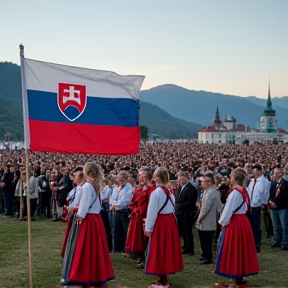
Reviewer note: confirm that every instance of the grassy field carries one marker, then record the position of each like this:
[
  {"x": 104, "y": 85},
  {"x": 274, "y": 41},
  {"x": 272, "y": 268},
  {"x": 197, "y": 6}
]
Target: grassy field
[{"x": 47, "y": 239}]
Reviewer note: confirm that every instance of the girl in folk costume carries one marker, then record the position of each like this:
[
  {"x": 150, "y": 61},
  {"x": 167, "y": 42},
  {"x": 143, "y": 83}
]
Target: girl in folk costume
[
  {"x": 164, "y": 248},
  {"x": 86, "y": 261},
  {"x": 73, "y": 200},
  {"x": 237, "y": 256},
  {"x": 136, "y": 241}
]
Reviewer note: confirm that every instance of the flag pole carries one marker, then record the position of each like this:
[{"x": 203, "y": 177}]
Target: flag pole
[{"x": 26, "y": 141}]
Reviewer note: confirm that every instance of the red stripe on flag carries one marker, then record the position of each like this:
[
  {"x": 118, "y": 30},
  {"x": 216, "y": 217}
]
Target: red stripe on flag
[{"x": 83, "y": 138}]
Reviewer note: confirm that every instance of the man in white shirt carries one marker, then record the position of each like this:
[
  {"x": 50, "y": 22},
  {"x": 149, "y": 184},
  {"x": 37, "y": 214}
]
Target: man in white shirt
[
  {"x": 119, "y": 203},
  {"x": 258, "y": 190}
]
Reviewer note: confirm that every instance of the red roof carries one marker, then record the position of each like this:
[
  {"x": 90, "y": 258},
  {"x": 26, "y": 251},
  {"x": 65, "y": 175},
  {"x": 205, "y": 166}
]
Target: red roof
[
  {"x": 240, "y": 128},
  {"x": 282, "y": 131},
  {"x": 208, "y": 129}
]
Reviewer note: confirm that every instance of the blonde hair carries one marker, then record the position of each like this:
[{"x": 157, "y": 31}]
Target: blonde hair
[
  {"x": 239, "y": 176},
  {"x": 94, "y": 174},
  {"x": 163, "y": 175}
]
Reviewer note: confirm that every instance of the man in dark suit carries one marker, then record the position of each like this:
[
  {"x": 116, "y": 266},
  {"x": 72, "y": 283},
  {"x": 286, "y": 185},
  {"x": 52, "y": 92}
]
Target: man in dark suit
[
  {"x": 7, "y": 190},
  {"x": 185, "y": 209},
  {"x": 278, "y": 204}
]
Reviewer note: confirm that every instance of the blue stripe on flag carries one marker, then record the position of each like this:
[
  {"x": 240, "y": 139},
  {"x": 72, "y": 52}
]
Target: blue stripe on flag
[{"x": 99, "y": 111}]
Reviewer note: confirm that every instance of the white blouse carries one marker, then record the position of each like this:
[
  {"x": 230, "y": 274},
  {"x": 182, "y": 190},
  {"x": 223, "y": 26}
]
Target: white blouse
[
  {"x": 156, "y": 201},
  {"x": 234, "y": 200},
  {"x": 88, "y": 196},
  {"x": 77, "y": 196}
]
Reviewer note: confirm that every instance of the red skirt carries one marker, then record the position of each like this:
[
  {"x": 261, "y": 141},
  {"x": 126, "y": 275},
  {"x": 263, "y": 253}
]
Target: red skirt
[
  {"x": 237, "y": 256},
  {"x": 164, "y": 254},
  {"x": 65, "y": 237},
  {"x": 91, "y": 264},
  {"x": 136, "y": 240}
]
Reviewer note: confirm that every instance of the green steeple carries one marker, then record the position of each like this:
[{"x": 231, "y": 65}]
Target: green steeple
[{"x": 269, "y": 111}]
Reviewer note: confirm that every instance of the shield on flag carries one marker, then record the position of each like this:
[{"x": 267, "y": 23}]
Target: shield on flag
[{"x": 71, "y": 100}]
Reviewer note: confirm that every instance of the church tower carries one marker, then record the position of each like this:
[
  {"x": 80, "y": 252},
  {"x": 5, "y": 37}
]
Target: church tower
[
  {"x": 268, "y": 121},
  {"x": 217, "y": 122}
]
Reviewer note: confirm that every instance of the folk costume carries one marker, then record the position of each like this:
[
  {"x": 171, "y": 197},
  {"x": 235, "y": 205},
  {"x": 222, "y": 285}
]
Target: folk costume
[
  {"x": 136, "y": 241},
  {"x": 73, "y": 200},
  {"x": 86, "y": 261},
  {"x": 164, "y": 248},
  {"x": 237, "y": 256}
]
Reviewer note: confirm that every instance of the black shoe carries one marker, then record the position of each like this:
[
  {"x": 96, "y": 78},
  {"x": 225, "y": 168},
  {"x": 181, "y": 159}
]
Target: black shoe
[
  {"x": 203, "y": 262},
  {"x": 240, "y": 282},
  {"x": 284, "y": 248},
  {"x": 275, "y": 245},
  {"x": 186, "y": 251},
  {"x": 201, "y": 259}
]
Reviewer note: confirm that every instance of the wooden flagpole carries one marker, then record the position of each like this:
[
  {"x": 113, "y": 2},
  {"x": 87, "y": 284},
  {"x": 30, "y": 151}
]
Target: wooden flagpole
[{"x": 25, "y": 115}]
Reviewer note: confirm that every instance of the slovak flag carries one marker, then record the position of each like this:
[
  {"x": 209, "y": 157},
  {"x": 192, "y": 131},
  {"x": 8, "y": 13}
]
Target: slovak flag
[{"x": 79, "y": 110}]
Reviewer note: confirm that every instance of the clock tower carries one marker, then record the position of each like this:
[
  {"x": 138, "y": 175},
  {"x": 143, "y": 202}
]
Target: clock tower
[{"x": 268, "y": 121}]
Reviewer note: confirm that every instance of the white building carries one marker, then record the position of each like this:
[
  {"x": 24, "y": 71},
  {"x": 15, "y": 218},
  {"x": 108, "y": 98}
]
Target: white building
[{"x": 228, "y": 132}]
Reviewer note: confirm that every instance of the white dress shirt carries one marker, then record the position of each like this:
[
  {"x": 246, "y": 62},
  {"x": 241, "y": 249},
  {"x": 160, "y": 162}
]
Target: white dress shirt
[
  {"x": 261, "y": 191},
  {"x": 106, "y": 192},
  {"x": 122, "y": 197}
]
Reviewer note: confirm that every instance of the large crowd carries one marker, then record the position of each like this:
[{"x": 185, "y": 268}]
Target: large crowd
[{"x": 199, "y": 177}]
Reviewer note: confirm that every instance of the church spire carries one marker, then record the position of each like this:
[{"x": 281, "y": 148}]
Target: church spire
[
  {"x": 217, "y": 121},
  {"x": 268, "y": 121},
  {"x": 269, "y": 102},
  {"x": 217, "y": 112}
]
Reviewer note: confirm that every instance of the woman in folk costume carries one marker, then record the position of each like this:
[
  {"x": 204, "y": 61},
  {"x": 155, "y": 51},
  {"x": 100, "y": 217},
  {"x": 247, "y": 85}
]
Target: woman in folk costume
[
  {"x": 86, "y": 261},
  {"x": 136, "y": 241},
  {"x": 72, "y": 199},
  {"x": 164, "y": 248},
  {"x": 237, "y": 256}
]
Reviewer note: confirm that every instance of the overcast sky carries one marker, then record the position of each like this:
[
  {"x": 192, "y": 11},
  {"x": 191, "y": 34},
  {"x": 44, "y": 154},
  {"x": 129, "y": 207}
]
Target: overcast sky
[{"x": 226, "y": 46}]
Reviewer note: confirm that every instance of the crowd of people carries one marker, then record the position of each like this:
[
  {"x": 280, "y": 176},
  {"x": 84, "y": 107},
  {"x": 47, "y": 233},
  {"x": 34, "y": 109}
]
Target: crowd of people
[{"x": 149, "y": 202}]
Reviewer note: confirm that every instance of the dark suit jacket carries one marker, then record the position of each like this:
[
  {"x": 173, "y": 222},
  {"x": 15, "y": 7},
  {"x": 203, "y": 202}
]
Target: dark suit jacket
[
  {"x": 281, "y": 200},
  {"x": 186, "y": 201},
  {"x": 7, "y": 178}
]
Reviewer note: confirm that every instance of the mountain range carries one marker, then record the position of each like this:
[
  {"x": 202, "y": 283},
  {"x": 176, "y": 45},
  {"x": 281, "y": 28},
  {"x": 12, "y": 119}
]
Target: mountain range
[{"x": 200, "y": 106}]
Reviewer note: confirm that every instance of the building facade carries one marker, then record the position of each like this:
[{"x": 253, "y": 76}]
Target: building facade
[{"x": 229, "y": 132}]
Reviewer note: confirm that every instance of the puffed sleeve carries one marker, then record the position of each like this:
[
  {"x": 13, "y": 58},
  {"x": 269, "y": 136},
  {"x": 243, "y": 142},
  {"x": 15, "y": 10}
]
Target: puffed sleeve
[
  {"x": 88, "y": 195},
  {"x": 152, "y": 212},
  {"x": 233, "y": 201}
]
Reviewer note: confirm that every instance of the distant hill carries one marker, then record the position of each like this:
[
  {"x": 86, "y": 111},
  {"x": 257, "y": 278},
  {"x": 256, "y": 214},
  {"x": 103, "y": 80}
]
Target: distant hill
[
  {"x": 11, "y": 116},
  {"x": 277, "y": 101},
  {"x": 158, "y": 121},
  {"x": 200, "y": 106},
  {"x": 163, "y": 124}
]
